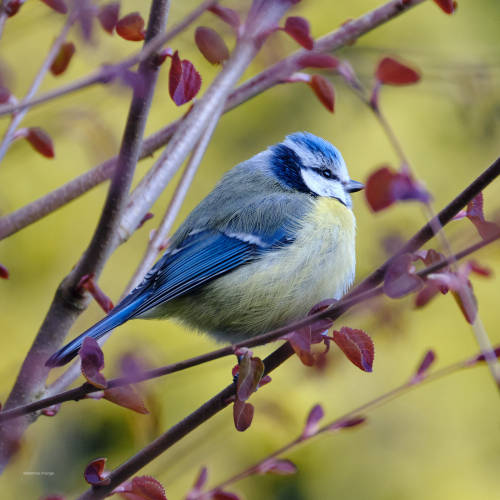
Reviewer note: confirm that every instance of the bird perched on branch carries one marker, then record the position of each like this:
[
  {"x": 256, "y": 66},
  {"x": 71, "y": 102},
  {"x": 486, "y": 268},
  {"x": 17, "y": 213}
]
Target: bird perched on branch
[{"x": 273, "y": 238}]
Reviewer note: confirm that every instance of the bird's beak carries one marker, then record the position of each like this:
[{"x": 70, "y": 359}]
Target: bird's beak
[{"x": 353, "y": 186}]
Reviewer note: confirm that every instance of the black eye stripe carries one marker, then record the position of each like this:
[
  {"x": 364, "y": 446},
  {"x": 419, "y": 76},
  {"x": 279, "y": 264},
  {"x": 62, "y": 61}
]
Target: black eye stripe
[{"x": 326, "y": 173}]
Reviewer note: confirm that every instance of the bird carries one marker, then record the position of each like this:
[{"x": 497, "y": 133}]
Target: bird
[{"x": 273, "y": 238}]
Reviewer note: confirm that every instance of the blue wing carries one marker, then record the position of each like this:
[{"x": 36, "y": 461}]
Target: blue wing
[{"x": 202, "y": 257}]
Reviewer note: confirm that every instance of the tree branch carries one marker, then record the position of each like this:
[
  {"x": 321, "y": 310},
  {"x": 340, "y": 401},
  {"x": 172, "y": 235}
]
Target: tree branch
[
  {"x": 334, "y": 312},
  {"x": 337, "y": 424},
  {"x": 69, "y": 302},
  {"x": 24, "y": 103},
  {"x": 161, "y": 233},
  {"x": 274, "y": 75},
  {"x": 102, "y": 75}
]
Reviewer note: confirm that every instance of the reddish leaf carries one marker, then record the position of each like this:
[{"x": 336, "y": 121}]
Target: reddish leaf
[
  {"x": 184, "y": 81},
  {"x": 317, "y": 60},
  {"x": 378, "y": 189},
  {"x": 87, "y": 282},
  {"x": 108, "y": 16},
  {"x": 126, "y": 396},
  {"x": 249, "y": 375},
  {"x": 147, "y": 488},
  {"x": 4, "y": 273},
  {"x": 460, "y": 286},
  {"x": 357, "y": 346},
  {"x": 391, "y": 72},
  {"x": 4, "y": 94},
  {"x": 312, "y": 423},
  {"x": 11, "y": 7},
  {"x": 467, "y": 303},
  {"x": 277, "y": 466},
  {"x": 448, "y": 6},
  {"x": 53, "y": 497},
  {"x": 324, "y": 91},
  {"x": 428, "y": 257},
  {"x": 424, "y": 365},
  {"x": 94, "y": 472},
  {"x": 211, "y": 45},
  {"x": 242, "y": 415},
  {"x": 400, "y": 278},
  {"x": 302, "y": 339},
  {"x": 131, "y": 27},
  {"x": 298, "y": 28},
  {"x": 51, "y": 411},
  {"x": 63, "y": 58},
  {"x": 229, "y": 16},
  {"x": 427, "y": 293},
  {"x": 266, "y": 379},
  {"x": 40, "y": 141},
  {"x": 347, "y": 423},
  {"x": 386, "y": 186},
  {"x": 477, "y": 268},
  {"x": 92, "y": 362},
  {"x": 475, "y": 214},
  {"x": 57, "y": 5}
]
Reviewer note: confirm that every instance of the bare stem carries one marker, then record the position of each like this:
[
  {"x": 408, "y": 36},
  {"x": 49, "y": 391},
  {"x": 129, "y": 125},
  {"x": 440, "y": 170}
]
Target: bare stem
[
  {"x": 275, "y": 74},
  {"x": 333, "y": 313},
  {"x": 24, "y": 103},
  {"x": 478, "y": 329},
  {"x": 102, "y": 75},
  {"x": 3, "y": 18},
  {"x": 336, "y": 425},
  {"x": 157, "y": 241},
  {"x": 69, "y": 302}
]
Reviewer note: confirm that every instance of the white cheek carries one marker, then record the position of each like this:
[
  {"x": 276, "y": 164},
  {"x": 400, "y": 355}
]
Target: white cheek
[{"x": 323, "y": 187}]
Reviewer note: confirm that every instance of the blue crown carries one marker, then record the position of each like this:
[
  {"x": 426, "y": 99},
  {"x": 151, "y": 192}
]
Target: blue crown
[{"x": 316, "y": 145}]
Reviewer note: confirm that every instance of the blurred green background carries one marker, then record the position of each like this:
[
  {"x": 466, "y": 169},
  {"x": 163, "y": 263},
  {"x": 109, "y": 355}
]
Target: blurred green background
[{"x": 439, "y": 442}]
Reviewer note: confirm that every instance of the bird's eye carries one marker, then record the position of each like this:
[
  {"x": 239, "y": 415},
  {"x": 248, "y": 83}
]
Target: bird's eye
[{"x": 327, "y": 174}]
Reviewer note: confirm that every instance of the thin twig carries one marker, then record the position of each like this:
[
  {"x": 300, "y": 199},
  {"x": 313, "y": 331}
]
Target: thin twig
[
  {"x": 3, "y": 18},
  {"x": 466, "y": 293},
  {"x": 194, "y": 124},
  {"x": 274, "y": 75},
  {"x": 157, "y": 241},
  {"x": 24, "y": 103},
  {"x": 333, "y": 313},
  {"x": 336, "y": 425},
  {"x": 69, "y": 302},
  {"x": 102, "y": 75}
]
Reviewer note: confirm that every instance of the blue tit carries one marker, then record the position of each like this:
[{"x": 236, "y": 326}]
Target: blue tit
[{"x": 273, "y": 238}]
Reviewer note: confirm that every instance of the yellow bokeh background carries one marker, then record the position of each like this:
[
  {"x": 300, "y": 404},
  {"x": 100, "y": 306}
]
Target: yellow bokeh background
[{"x": 441, "y": 441}]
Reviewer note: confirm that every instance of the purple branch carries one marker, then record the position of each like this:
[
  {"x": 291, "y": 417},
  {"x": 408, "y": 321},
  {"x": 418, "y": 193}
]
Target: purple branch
[
  {"x": 69, "y": 302},
  {"x": 102, "y": 75},
  {"x": 24, "y": 106},
  {"x": 426, "y": 233},
  {"x": 333, "y": 313},
  {"x": 339, "y": 423},
  {"x": 272, "y": 76},
  {"x": 161, "y": 233}
]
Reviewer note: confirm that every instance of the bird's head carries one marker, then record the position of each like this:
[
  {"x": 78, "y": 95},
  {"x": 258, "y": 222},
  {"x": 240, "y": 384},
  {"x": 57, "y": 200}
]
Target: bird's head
[{"x": 311, "y": 165}]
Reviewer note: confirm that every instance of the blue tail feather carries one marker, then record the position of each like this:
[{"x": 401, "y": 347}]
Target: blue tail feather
[{"x": 115, "y": 318}]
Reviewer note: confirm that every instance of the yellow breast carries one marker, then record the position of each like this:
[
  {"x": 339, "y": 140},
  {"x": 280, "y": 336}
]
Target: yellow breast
[{"x": 283, "y": 286}]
